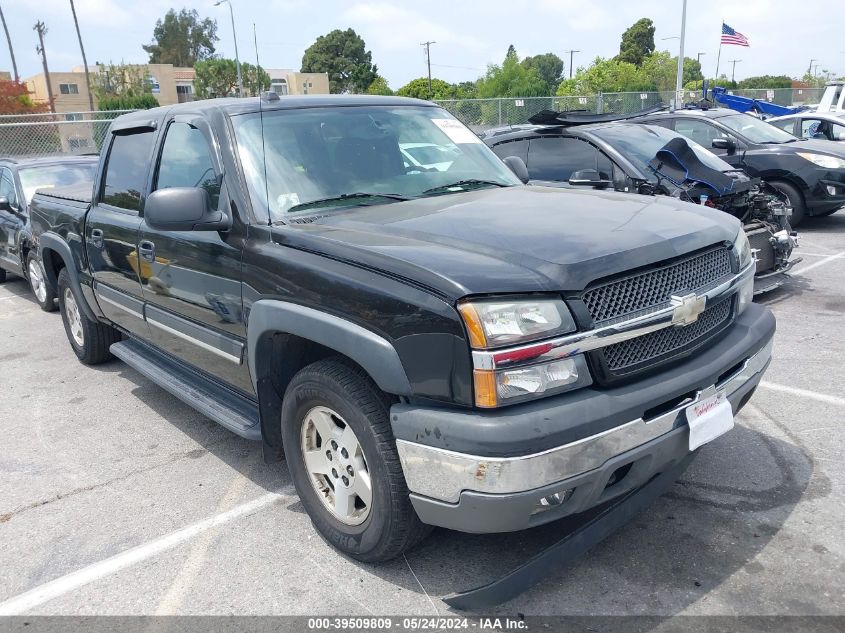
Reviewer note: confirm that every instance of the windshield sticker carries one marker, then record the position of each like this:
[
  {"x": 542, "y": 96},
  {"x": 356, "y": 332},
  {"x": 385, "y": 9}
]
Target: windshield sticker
[{"x": 456, "y": 131}]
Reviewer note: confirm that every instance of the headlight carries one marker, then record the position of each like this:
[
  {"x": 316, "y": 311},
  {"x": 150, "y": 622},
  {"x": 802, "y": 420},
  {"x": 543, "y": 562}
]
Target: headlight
[
  {"x": 495, "y": 322},
  {"x": 494, "y": 388},
  {"x": 742, "y": 251},
  {"x": 823, "y": 160}
]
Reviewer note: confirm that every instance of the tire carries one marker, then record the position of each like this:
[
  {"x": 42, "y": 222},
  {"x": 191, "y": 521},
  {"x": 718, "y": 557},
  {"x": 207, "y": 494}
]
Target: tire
[
  {"x": 41, "y": 287},
  {"x": 338, "y": 397},
  {"x": 2, "y": 275},
  {"x": 796, "y": 200},
  {"x": 89, "y": 339}
]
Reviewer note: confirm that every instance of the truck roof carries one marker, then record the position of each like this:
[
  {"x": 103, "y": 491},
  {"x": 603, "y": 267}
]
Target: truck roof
[{"x": 233, "y": 105}]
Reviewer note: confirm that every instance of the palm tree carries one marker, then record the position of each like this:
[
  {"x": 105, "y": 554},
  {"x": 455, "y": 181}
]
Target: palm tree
[
  {"x": 11, "y": 51},
  {"x": 84, "y": 61}
]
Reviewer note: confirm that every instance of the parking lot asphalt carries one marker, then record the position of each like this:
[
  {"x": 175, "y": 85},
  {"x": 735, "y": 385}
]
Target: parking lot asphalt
[{"x": 116, "y": 498}]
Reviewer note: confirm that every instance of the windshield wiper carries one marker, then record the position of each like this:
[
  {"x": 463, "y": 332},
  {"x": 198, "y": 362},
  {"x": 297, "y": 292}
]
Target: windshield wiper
[
  {"x": 358, "y": 198},
  {"x": 466, "y": 185}
]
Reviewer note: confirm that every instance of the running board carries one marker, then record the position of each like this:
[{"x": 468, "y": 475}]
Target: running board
[
  {"x": 227, "y": 408},
  {"x": 570, "y": 547}
]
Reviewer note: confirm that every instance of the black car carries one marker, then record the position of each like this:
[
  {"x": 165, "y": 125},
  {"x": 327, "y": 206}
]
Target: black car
[
  {"x": 643, "y": 159},
  {"x": 810, "y": 172},
  {"x": 423, "y": 346},
  {"x": 19, "y": 179}
]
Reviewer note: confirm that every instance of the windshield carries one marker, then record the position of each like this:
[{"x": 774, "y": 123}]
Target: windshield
[
  {"x": 50, "y": 176},
  {"x": 320, "y": 154},
  {"x": 754, "y": 129},
  {"x": 640, "y": 143}
]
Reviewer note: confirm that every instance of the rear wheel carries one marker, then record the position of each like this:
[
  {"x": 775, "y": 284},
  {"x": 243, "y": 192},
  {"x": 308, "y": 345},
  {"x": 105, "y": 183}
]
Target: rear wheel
[
  {"x": 89, "y": 339},
  {"x": 343, "y": 461},
  {"x": 796, "y": 201},
  {"x": 44, "y": 293},
  {"x": 2, "y": 275}
]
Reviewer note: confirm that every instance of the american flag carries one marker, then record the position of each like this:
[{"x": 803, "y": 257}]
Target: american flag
[{"x": 729, "y": 36}]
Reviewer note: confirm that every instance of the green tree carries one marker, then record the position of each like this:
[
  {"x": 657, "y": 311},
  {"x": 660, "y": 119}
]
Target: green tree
[
  {"x": 182, "y": 39},
  {"x": 607, "y": 75},
  {"x": 121, "y": 80},
  {"x": 344, "y": 56},
  {"x": 379, "y": 86},
  {"x": 466, "y": 90},
  {"x": 766, "y": 81},
  {"x": 511, "y": 79},
  {"x": 219, "y": 78},
  {"x": 549, "y": 66},
  {"x": 692, "y": 70},
  {"x": 637, "y": 42},
  {"x": 127, "y": 102},
  {"x": 418, "y": 88}
]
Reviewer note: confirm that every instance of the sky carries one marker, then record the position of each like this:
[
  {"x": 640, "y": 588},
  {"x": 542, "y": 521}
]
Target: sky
[{"x": 469, "y": 34}]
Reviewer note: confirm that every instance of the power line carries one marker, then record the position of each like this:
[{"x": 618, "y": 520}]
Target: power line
[
  {"x": 428, "y": 62},
  {"x": 733, "y": 63},
  {"x": 41, "y": 29}
]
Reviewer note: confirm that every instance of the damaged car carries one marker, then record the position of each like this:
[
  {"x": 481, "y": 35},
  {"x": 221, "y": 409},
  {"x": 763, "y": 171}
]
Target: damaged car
[{"x": 604, "y": 152}]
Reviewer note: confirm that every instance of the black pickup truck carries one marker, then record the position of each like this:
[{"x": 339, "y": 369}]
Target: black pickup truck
[{"x": 431, "y": 346}]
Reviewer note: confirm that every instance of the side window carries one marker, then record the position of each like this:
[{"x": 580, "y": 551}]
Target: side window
[
  {"x": 512, "y": 148},
  {"x": 7, "y": 187},
  {"x": 787, "y": 125},
  {"x": 699, "y": 131},
  {"x": 126, "y": 170},
  {"x": 810, "y": 128},
  {"x": 186, "y": 161},
  {"x": 556, "y": 158}
]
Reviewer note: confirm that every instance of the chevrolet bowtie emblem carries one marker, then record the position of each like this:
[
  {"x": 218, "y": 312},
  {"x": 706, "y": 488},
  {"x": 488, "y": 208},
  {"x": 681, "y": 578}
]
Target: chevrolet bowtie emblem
[{"x": 687, "y": 308}]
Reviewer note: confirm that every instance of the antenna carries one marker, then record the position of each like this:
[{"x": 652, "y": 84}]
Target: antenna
[{"x": 257, "y": 63}]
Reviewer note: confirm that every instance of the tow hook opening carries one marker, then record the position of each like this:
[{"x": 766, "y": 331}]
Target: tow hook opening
[{"x": 618, "y": 475}]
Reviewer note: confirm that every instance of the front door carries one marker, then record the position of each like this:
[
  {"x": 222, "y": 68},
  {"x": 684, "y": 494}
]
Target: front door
[
  {"x": 191, "y": 280},
  {"x": 111, "y": 230},
  {"x": 11, "y": 222}
]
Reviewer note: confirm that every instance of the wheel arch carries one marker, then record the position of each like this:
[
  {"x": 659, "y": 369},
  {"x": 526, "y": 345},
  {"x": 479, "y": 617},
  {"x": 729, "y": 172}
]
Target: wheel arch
[
  {"x": 284, "y": 337},
  {"x": 55, "y": 254}
]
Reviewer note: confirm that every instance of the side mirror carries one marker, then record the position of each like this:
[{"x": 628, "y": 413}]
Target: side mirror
[
  {"x": 517, "y": 166},
  {"x": 4, "y": 204},
  {"x": 183, "y": 209},
  {"x": 588, "y": 178},
  {"x": 723, "y": 143}
]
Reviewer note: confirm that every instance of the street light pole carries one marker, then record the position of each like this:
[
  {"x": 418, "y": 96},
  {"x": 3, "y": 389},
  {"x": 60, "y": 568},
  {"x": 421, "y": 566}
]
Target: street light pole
[
  {"x": 235, "y": 37},
  {"x": 571, "y": 54},
  {"x": 679, "y": 80},
  {"x": 11, "y": 50},
  {"x": 698, "y": 57},
  {"x": 733, "y": 63}
]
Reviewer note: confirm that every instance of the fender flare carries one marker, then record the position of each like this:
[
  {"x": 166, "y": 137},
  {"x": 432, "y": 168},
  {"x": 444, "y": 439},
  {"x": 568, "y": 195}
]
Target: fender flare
[
  {"x": 54, "y": 242},
  {"x": 375, "y": 354}
]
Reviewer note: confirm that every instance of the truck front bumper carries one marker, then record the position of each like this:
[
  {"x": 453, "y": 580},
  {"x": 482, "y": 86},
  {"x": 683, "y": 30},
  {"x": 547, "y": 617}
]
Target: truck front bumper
[{"x": 471, "y": 491}]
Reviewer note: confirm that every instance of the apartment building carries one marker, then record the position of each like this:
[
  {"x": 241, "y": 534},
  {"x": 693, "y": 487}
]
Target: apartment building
[{"x": 284, "y": 81}]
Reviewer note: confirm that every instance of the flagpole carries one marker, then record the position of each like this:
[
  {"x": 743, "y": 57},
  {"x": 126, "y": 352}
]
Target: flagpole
[{"x": 719, "y": 56}]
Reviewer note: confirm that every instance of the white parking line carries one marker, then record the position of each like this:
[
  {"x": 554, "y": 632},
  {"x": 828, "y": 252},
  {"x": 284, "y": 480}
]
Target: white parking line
[
  {"x": 804, "y": 393},
  {"x": 803, "y": 269},
  {"x": 60, "y": 586}
]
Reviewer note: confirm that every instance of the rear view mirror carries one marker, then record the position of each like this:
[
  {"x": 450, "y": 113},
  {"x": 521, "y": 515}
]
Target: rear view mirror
[
  {"x": 723, "y": 143},
  {"x": 183, "y": 209},
  {"x": 517, "y": 166},
  {"x": 588, "y": 178},
  {"x": 4, "y": 204}
]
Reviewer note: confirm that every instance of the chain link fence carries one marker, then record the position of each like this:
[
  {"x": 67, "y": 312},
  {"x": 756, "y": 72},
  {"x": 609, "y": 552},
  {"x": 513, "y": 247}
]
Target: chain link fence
[
  {"x": 54, "y": 134},
  {"x": 483, "y": 114}
]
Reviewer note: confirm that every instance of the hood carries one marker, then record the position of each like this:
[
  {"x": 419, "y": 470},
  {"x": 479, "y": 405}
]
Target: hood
[
  {"x": 815, "y": 146},
  {"x": 515, "y": 239}
]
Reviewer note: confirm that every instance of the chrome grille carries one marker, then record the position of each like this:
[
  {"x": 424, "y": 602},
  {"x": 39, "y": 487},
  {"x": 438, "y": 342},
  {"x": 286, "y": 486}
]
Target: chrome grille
[
  {"x": 641, "y": 350},
  {"x": 654, "y": 288}
]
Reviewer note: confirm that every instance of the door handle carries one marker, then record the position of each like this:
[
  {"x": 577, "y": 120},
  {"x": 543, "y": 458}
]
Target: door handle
[
  {"x": 97, "y": 237},
  {"x": 147, "y": 250}
]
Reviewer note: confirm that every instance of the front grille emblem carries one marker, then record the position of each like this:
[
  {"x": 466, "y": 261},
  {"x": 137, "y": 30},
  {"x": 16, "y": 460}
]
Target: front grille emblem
[{"x": 687, "y": 308}]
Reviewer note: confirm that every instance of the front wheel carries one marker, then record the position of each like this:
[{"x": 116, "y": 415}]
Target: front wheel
[
  {"x": 44, "y": 293},
  {"x": 89, "y": 339},
  {"x": 796, "y": 202},
  {"x": 343, "y": 461}
]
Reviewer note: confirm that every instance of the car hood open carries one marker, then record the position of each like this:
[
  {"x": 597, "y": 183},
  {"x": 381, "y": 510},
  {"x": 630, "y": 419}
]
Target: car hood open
[{"x": 515, "y": 239}]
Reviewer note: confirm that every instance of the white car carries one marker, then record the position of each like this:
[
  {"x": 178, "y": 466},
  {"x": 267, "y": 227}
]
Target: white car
[
  {"x": 812, "y": 125},
  {"x": 428, "y": 155}
]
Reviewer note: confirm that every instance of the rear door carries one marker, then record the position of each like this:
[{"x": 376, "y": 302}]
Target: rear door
[
  {"x": 111, "y": 228},
  {"x": 192, "y": 279}
]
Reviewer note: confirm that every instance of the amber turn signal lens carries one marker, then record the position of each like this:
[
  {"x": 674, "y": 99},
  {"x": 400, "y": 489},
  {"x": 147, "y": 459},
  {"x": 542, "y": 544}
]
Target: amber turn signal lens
[
  {"x": 477, "y": 339},
  {"x": 485, "y": 388}
]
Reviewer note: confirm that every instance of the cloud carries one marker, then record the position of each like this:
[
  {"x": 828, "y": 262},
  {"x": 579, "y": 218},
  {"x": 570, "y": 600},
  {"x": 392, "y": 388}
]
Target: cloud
[{"x": 392, "y": 27}]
